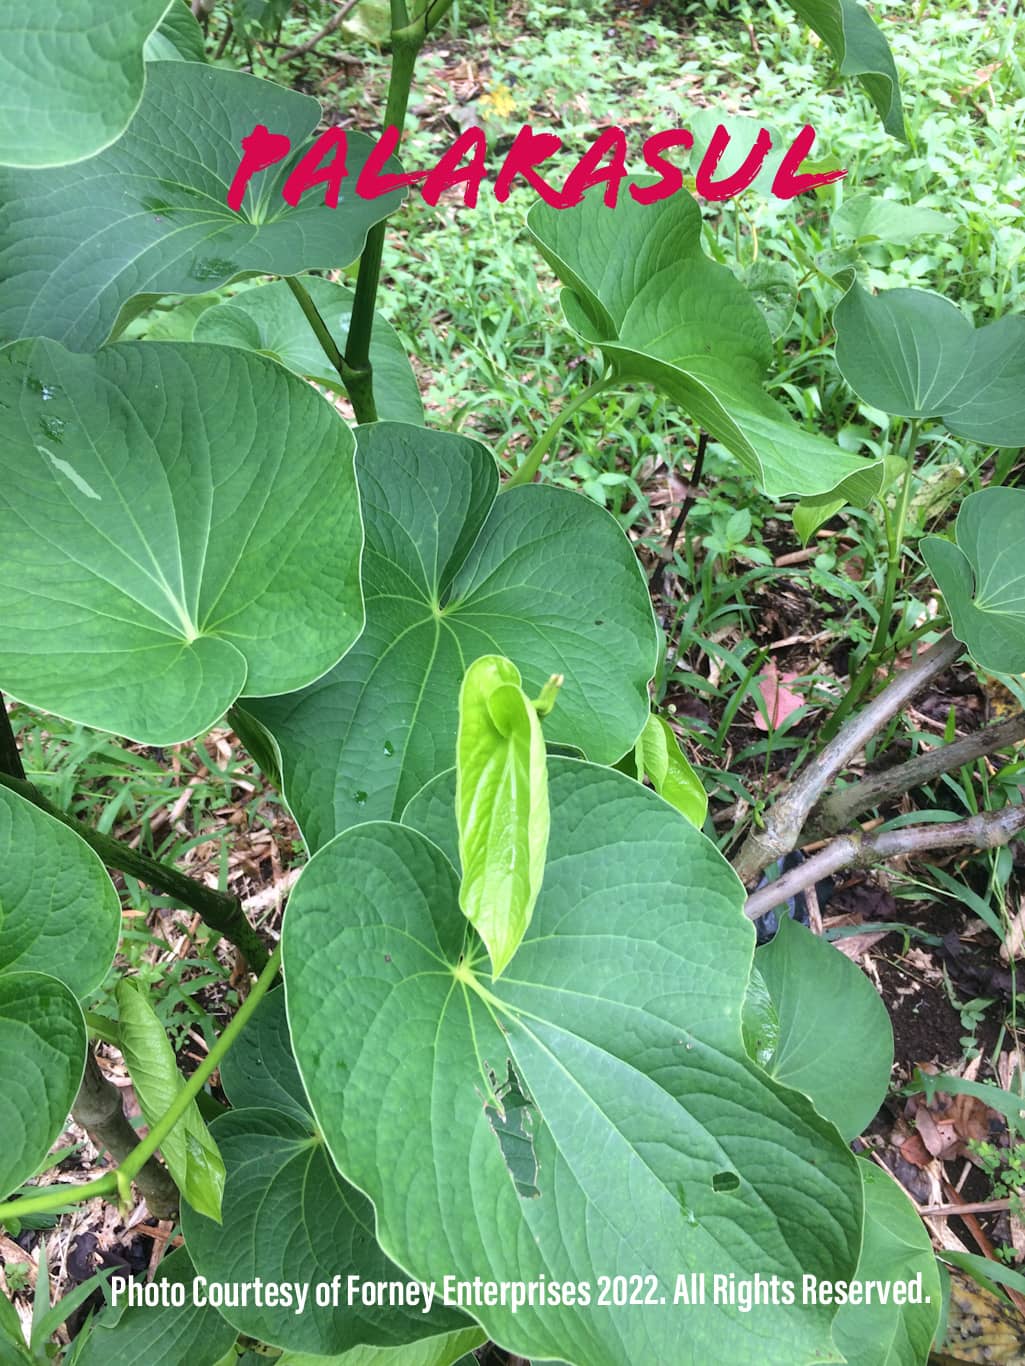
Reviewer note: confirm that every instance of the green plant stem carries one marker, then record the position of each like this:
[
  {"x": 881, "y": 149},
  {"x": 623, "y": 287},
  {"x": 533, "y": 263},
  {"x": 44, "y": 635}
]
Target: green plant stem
[
  {"x": 407, "y": 40},
  {"x": 118, "y": 1180},
  {"x": 537, "y": 452},
  {"x": 895, "y": 526},
  {"x": 10, "y": 756},
  {"x": 219, "y": 910},
  {"x": 349, "y": 377}
]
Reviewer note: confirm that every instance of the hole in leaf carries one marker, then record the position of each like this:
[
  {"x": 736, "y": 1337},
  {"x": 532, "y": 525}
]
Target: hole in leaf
[
  {"x": 512, "y": 1121},
  {"x": 725, "y": 1181}
]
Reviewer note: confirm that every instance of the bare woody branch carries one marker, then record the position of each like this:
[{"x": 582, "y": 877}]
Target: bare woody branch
[
  {"x": 336, "y": 20},
  {"x": 788, "y": 816},
  {"x": 840, "y": 808},
  {"x": 987, "y": 831}
]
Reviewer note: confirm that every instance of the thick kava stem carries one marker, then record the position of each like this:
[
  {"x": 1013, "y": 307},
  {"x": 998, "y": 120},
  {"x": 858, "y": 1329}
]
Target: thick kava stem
[
  {"x": 406, "y": 44},
  {"x": 840, "y": 808},
  {"x": 99, "y": 1111},
  {"x": 788, "y": 815},
  {"x": 219, "y": 910},
  {"x": 10, "y": 758},
  {"x": 988, "y": 831}
]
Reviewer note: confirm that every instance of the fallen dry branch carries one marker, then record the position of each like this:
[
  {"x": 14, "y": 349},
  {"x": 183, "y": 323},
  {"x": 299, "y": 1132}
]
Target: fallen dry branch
[
  {"x": 987, "y": 831},
  {"x": 788, "y": 816},
  {"x": 840, "y": 808}
]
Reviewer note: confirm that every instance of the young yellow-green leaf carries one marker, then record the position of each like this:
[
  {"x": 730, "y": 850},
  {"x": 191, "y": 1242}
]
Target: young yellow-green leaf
[
  {"x": 501, "y": 805},
  {"x": 658, "y": 755},
  {"x": 191, "y": 1154}
]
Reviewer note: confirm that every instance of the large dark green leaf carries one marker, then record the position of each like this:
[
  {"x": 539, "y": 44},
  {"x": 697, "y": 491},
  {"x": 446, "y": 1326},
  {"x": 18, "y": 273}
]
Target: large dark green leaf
[
  {"x": 542, "y": 576},
  {"x": 915, "y": 354},
  {"x": 841, "y": 1060},
  {"x": 70, "y": 77},
  {"x": 593, "y": 1112},
  {"x": 287, "y": 1216},
  {"x": 42, "y": 1056},
  {"x": 260, "y": 1070},
  {"x": 896, "y": 1248},
  {"x": 59, "y": 912},
  {"x": 149, "y": 215},
  {"x": 268, "y": 319},
  {"x": 639, "y": 286},
  {"x": 59, "y": 919},
  {"x": 861, "y": 50},
  {"x": 178, "y": 522},
  {"x": 161, "y": 1335},
  {"x": 981, "y": 575}
]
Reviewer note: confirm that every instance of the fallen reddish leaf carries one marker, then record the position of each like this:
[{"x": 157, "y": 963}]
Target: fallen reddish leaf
[{"x": 779, "y": 701}]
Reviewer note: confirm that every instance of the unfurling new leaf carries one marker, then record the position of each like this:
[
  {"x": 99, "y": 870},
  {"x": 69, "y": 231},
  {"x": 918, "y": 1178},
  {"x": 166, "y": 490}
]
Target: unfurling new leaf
[
  {"x": 501, "y": 805},
  {"x": 191, "y": 1154}
]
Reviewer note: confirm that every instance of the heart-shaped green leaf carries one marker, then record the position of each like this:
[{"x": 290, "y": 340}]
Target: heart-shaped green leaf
[
  {"x": 542, "y": 576},
  {"x": 288, "y": 1217},
  {"x": 915, "y": 354},
  {"x": 639, "y": 286},
  {"x": 594, "y": 1112},
  {"x": 160, "y": 1335},
  {"x": 453, "y": 1349},
  {"x": 59, "y": 912},
  {"x": 189, "y": 1151},
  {"x": 861, "y": 50},
  {"x": 896, "y": 1248},
  {"x": 268, "y": 319},
  {"x": 260, "y": 1070},
  {"x": 841, "y": 1060},
  {"x": 501, "y": 805},
  {"x": 871, "y": 218},
  {"x": 71, "y": 81},
  {"x": 149, "y": 216},
  {"x": 42, "y": 1057},
  {"x": 179, "y": 37},
  {"x": 982, "y": 577},
  {"x": 179, "y": 522}
]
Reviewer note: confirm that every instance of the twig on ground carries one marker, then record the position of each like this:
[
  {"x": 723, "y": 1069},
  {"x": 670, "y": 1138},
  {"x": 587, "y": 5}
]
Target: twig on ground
[
  {"x": 788, "y": 815},
  {"x": 987, "y": 831},
  {"x": 840, "y": 808},
  {"x": 336, "y": 20},
  {"x": 98, "y": 1109}
]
